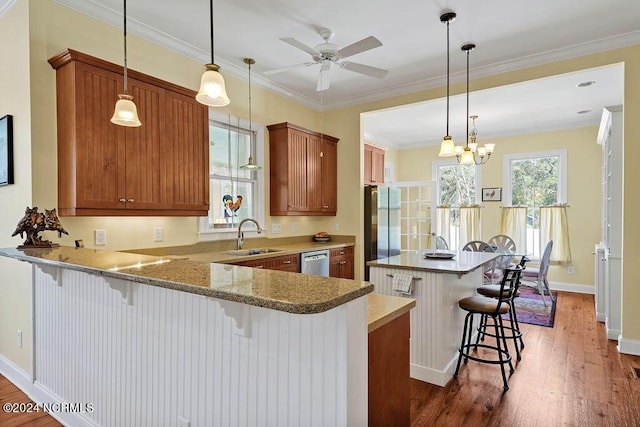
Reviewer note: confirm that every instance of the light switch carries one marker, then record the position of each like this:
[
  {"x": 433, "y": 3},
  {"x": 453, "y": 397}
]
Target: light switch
[{"x": 157, "y": 234}]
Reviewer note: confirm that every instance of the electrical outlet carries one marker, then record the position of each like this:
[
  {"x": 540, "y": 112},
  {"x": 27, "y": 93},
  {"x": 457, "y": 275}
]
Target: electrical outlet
[
  {"x": 335, "y": 226},
  {"x": 100, "y": 237},
  {"x": 157, "y": 234},
  {"x": 294, "y": 228},
  {"x": 183, "y": 422},
  {"x": 570, "y": 269},
  {"x": 19, "y": 338},
  {"x": 275, "y": 228}
]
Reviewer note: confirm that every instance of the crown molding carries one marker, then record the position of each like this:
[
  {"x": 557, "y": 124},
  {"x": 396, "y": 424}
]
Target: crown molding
[{"x": 98, "y": 11}]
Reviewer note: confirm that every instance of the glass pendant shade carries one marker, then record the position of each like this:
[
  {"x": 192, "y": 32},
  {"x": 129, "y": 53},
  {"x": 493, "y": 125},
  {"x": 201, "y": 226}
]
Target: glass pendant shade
[
  {"x": 212, "y": 88},
  {"x": 251, "y": 165},
  {"x": 447, "y": 147},
  {"x": 126, "y": 113},
  {"x": 489, "y": 148},
  {"x": 467, "y": 157}
]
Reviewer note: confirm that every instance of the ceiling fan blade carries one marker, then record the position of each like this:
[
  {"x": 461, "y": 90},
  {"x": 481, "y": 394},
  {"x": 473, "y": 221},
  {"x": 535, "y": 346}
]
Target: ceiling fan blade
[
  {"x": 361, "y": 46},
  {"x": 324, "y": 80},
  {"x": 295, "y": 43},
  {"x": 289, "y": 67},
  {"x": 367, "y": 70}
]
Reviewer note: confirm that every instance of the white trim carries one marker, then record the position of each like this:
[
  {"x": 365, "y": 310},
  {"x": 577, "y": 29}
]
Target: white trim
[
  {"x": 572, "y": 287},
  {"x": 628, "y": 346},
  {"x": 562, "y": 172}
]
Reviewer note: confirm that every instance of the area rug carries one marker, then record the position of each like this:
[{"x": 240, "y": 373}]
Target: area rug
[{"x": 530, "y": 308}]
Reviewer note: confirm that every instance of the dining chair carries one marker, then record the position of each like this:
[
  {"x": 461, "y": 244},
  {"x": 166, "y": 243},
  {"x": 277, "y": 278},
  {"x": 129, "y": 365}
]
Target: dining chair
[
  {"x": 480, "y": 246},
  {"x": 441, "y": 243},
  {"x": 505, "y": 244},
  {"x": 539, "y": 275}
]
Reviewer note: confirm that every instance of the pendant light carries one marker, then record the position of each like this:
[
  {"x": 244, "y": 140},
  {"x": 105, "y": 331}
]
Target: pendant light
[
  {"x": 125, "y": 113},
  {"x": 251, "y": 165},
  {"x": 467, "y": 155},
  {"x": 447, "y": 147},
  {"x": 212, "y": 89}
]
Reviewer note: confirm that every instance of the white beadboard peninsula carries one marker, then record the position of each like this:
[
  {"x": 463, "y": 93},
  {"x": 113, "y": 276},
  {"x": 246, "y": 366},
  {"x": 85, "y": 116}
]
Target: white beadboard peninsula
[
  {"x": 153, "y": 340},
  {"x": 436, "y": 321}
]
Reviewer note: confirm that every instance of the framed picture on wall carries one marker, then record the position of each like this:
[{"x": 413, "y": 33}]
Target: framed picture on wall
[
  {"x": 493, "y": 194},
  {"x": 6, "y": 150}
]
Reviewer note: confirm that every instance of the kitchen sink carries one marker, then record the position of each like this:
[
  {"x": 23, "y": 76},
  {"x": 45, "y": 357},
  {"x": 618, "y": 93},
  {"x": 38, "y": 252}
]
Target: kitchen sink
[{"x": 248, "y": 252}]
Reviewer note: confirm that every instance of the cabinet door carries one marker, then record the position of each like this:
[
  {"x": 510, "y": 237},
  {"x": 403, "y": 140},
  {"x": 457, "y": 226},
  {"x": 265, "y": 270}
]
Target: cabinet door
[
  {"x": 329, "y": 177},
  {"x": 187, "y": 159},
  {"x": 146, "y": 170},
  {"x": 315, "y": 165},
  {"x": 298, "y": 192},
  {"x": 368, "y": 164},
  {"x": 377, "y": 170},
  {"x": 97, "y": 147}
]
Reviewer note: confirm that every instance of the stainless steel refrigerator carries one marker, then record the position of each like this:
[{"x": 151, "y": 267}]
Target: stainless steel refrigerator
[{"x": 381, "y": 223}]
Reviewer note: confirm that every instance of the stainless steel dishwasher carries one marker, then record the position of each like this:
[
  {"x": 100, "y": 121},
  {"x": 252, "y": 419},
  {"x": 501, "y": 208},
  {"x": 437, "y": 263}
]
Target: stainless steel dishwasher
[{"x": 316, "y": 262}]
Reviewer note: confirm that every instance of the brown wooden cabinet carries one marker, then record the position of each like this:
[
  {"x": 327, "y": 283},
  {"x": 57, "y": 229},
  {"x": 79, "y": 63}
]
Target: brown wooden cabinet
[
  {"x": 283, "y": 263},
  {"x": 373, "y": 165},
  {"x": 341, "y": 263},
  {"x": 303, "y": 170},
  {"x": 159, "y": 168}
]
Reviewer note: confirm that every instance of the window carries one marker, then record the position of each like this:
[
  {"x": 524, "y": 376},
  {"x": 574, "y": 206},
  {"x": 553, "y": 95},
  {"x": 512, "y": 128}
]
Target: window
[
  {"x": 457, "y": 186},
  {"x": 234, "y": 193},
  {"x": 533, "y": 180}
]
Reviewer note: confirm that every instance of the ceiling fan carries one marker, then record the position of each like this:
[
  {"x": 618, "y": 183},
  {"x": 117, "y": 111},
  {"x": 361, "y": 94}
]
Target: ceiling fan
[{"x": 326, "y": 54}]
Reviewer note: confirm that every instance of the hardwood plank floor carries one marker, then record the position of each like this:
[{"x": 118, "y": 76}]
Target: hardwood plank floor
[
  {"x": 570, "y": 374},
  {"x": 9, "y": 393}
]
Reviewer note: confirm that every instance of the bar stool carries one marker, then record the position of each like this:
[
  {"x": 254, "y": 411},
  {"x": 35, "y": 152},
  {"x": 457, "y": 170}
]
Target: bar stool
[
  {"x": 492, "y": 291},
  {"x": 494, "y": 308}
]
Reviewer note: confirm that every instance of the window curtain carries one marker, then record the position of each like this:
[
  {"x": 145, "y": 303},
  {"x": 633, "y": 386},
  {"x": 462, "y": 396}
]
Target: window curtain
[
  {"x": 443, "y": 226},
  {"x": 514, "y": 225},
  {"x": 554, "y": 226},
  {"x": 469, "y": 224}
]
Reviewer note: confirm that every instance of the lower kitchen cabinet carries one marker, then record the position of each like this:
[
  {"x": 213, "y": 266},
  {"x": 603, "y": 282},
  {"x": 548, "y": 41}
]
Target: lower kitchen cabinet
[
  {"x": 341, "y": 263},
  {"x": 283, "y": 263}
]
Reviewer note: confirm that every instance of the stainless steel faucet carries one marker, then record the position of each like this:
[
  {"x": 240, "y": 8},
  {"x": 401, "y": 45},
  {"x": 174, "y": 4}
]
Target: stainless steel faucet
[{"x": 241, "y": 234}]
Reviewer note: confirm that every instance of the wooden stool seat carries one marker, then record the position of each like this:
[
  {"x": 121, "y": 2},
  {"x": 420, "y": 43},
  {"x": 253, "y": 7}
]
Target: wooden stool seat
[{"x": 483, "y": 305}]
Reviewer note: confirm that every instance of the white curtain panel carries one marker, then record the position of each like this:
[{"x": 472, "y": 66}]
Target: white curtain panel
[
  {"x": 514, "y": 225},
  {"x": 469, "y": 224},
  {"x": 554, "y": 226}
]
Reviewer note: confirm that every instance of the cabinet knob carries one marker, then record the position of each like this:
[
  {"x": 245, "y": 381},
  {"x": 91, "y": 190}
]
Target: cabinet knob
[
  {"x": 325, "y": 207},
  {"x": 259, "y": 266},
  {"x": 343, "y": 262},
  {"x": 123, "y": 201},
  {"x": 130, "y": 200},
  {"x": 341, "y": 252},
  {"x": 288, "y": 261}
]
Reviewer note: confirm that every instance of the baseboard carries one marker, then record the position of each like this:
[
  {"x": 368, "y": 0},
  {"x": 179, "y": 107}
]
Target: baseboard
[
  {"x": 628, "y": 346},
  {"x": 40, "y": 394},
  {"x": 572, "y": 287},
  {"x": 430, "y": 375},
  {"x": 612, "y": 334}
]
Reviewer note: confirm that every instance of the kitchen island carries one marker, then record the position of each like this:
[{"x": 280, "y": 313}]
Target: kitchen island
[
  {"x": 152, "y": 340},
  {"x": 436, "y": 321}
]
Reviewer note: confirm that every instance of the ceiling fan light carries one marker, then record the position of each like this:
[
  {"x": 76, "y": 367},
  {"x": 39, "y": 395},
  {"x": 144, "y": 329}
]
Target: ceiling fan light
[
  {"x": 212, "y": 88},
  {"x": 467, "y": 157},
  {"x": 125, "y": 113},
  {"x": 447, "y": 147}
]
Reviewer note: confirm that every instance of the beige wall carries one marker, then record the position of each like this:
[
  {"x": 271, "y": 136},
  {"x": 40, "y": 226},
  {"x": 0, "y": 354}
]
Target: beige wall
[
  {"x": 15, "y": 283},
  {"x": 583, "y": 188}
]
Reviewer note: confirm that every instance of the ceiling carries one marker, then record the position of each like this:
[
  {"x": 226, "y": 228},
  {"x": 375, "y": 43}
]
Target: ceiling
[{"x": 509, "y": 35}]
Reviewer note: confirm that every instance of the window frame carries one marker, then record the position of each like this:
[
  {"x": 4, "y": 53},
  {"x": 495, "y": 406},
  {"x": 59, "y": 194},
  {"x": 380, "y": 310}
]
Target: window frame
[
  {"x": 204, "y": 232},
  {"x": 507, "y": 175}
]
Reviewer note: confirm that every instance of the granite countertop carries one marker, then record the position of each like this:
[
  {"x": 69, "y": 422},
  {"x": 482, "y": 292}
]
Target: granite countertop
[
  {"x": 382, "y": 309},
  {"x": 277, "y": 290},
  {"x": 219, "y": 253},
  {"x": 462, "y": 263}
]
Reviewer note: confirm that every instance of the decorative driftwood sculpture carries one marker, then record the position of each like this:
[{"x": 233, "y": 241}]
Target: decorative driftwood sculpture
[{"x": 33, "y": 222}]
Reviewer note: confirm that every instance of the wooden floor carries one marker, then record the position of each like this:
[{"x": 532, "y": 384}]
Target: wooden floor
[{"x": 569, "y": 375}]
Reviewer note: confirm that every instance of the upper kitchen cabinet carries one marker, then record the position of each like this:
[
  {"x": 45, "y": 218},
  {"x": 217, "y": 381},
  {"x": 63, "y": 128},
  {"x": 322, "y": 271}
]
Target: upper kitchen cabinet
[
  {"x": 303, "y": 169},
  {"x": 373, "y": 165},
  {"x": 160, "y": 168}
]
